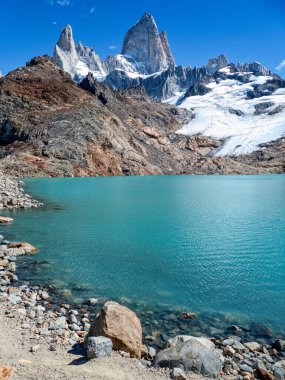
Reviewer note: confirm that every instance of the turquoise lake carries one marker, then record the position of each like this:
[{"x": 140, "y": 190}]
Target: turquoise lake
[{"x": 204, "y": 244}]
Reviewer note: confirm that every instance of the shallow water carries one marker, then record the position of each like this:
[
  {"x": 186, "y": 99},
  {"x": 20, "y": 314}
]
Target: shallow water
[{"x": 204, "y": 244}]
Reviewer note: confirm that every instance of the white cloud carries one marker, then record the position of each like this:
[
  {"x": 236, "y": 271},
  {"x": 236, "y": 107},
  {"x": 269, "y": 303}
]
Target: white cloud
[
  {"x": 62, "y": 3},
  {"x": 112, "y": 47},
  {"x": 281, "y": 66},
  {"x": 92, "y": 10},
  {"x": 54, "y": 22}
]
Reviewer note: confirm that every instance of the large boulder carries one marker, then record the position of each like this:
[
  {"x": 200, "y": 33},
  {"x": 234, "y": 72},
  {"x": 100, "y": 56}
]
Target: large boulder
[
  {"x": 121, "y": 325},
  {"x": 191, "y": 356}
]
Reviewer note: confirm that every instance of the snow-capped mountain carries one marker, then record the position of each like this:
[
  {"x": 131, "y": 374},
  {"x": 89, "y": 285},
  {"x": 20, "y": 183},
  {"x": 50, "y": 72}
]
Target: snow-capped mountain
[
  {"x": 242, "y": 105},
  {"x": 78, "y": 60},
  {"x": 145, "y": 51},
  {"x": 240, "y": 108},
  {"x": 146, "y": 60}
]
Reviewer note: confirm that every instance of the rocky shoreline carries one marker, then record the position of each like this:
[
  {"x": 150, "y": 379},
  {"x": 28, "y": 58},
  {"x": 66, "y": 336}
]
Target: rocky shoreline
[
  {"x": 12, "y": 195},
  {"x": 55, "y": 324}
]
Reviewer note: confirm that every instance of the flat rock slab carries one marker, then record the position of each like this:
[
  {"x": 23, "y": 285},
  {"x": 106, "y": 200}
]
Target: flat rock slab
[{"x": 252, "y": 346}]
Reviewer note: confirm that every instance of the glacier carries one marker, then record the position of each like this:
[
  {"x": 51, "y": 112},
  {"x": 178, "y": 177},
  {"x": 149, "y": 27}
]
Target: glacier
[{"x": 225, "y": 113}]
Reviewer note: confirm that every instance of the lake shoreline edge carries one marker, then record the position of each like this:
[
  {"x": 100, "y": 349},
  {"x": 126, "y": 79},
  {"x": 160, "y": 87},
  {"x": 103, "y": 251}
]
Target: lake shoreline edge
[{"x": 237, "y": 359}]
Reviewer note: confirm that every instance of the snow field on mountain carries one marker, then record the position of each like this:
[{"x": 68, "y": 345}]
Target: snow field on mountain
[{"x": 214, "y": 116}]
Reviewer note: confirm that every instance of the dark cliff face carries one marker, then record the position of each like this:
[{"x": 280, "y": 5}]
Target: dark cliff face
[{"x": 51, "y": 127}]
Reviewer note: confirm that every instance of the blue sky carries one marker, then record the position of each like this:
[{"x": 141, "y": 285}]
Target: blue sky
[{"x": 197, "y": 30}]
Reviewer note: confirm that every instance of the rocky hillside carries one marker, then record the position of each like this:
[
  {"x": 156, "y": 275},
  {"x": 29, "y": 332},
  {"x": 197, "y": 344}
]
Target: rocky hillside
[{"x": 49, "y": 126}]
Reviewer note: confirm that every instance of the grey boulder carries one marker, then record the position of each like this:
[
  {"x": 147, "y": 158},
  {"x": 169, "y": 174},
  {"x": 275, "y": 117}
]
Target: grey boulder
[
  {"x": 192, "y": 356},
  {"x": 98, "y": 347}
]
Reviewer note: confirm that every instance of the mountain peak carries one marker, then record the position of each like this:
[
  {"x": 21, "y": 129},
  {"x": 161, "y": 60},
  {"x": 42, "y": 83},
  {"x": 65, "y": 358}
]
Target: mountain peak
[
  {"x": 215, "y": 64},
  {"x": 147, "y": 15},
  {"x": 145, "y": 45},
  {"x": 66, "y": 41},
  {"x": 65, "y": 52}
]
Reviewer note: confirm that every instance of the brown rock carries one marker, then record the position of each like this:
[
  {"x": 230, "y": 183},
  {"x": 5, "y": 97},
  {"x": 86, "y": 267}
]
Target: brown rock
[
  {"x": 27, "y": 247},
  {"x": 152, "y": 132},
  {"x": 263, "y": 374},
  {"x": 201, "y": 144},
  {"x": 121, "y": 325},
  {"x": 5, "y": 372},
  {"x": 5, "y": 219},
  {"x": 229, "y": 351}
]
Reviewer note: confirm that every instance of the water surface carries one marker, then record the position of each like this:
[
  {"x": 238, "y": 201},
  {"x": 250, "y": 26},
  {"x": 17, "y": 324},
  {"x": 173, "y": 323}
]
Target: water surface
[{"x": 199, "y": 243}]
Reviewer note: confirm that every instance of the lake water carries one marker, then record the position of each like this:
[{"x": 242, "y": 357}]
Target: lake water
[{"x": 206, "y": 244}]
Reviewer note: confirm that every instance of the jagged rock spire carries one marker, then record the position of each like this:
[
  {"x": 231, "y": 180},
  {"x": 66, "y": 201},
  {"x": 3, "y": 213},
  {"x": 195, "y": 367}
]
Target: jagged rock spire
[
  {"x": 88, "y": 55},
  {"x": 144, "y": 44},
  {"x": 66, "y": 42},
  {"x": 215, "y": 64},
  {"x": 65, "y": 52}
]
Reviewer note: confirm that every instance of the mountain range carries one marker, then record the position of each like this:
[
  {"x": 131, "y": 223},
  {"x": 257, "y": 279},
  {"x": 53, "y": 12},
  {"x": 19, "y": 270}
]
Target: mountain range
[
  {"x": 242, "y": 104},
  {"x": 139, "y": 113}
]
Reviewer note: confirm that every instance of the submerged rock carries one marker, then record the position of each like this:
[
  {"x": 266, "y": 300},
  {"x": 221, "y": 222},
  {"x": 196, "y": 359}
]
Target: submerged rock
[
  {"x": 121, "y": 325},
  {"x": 260, "y": 330},
  {"x": 279, "y": 345}
]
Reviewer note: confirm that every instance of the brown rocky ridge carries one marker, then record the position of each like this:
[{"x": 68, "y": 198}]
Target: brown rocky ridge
[{"x": 49, "y": 126}]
